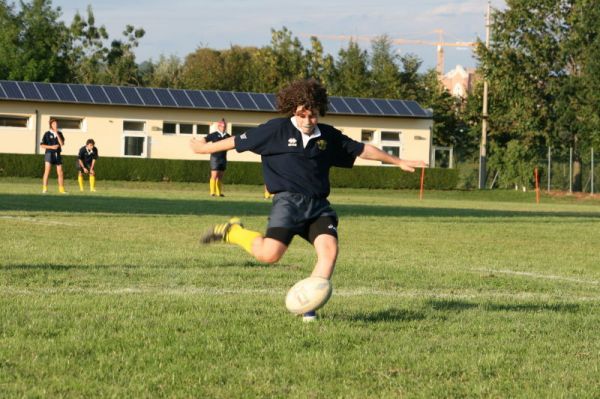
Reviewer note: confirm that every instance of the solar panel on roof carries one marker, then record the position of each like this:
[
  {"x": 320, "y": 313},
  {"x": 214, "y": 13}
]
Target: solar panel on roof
[
  {"x": 415, "y": 108},
  {"x": 2, "y": 93},
  {"x": 63, "y": 92},
  {"x": 132, "y": 96},
  {"x": 261, "y": 101},
  {"x": 340, "y": 105},
  {"x": 400, "y": 107},
  {"x": 213, "y": 99},
  {"x": 98, "y": 94},
  {"x": 81, "y": 94},
  {"x": 12, "y": 90},
  {"x": 354, "y": 105},
  {"x": 114, "y": 95},
  {"x": 369, "y": 106},
  {"x": 46, "y": 91},
  {"x": 180, "y": 98},
  {"x": 229, "y": 100},
  {"x": 164, "y": 97},
  {"x": 385, "y": 107},
  {"x": 147, "y": 96},
  {"x": 245, "y": 100},
  {"x": 197, "y": 98},
  {"x": 272, "y": 100},
  {"x": 29, "y": 91}
]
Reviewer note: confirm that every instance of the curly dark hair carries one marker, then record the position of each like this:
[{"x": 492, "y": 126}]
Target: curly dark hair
[{"x": 306, "y": 92}]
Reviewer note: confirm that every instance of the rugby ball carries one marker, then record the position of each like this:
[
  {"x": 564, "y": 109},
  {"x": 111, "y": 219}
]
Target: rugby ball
[{"x": 309, "y": 294}]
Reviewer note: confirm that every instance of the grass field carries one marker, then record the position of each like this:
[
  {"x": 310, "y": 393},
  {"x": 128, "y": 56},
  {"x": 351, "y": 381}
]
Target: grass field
[{"x": 463, "y": 294}]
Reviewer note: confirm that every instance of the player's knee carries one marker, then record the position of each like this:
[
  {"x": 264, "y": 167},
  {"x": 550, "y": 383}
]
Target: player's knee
[{"x": 270, "y": 257}]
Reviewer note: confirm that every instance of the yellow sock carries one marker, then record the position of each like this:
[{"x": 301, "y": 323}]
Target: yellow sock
[
  {"x": 212, "y": 184},
  {"x": 44, "y": 189},
  {"x": 80, "y": 181},
  {"x": 92, "y": 183},
  {"x": 61, "y": 189},
  {"x": 242, "y": 237},
  {"x": 219, "y": 187}
]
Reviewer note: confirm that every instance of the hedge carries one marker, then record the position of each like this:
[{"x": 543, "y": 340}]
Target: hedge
[{"x": 143, "y": 169}]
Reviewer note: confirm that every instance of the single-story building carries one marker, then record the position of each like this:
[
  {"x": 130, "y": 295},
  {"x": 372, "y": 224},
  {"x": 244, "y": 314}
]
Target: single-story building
[{"x": 158, "y": 123}]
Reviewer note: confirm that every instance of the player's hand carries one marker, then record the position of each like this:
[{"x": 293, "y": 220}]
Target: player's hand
[
  {"x": 85, "y": 171},
  {"x": 409, "y": 166}
]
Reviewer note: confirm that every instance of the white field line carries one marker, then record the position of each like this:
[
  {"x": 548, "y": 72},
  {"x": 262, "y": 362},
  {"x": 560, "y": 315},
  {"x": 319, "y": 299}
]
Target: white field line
[
  {"x": 35, "y": 220},
  {"x": 359, "y": 292},
  {"x": 540, "y": 276}
]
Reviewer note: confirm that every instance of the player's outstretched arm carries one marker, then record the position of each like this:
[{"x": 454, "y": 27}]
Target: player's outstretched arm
[
  {"x": 375, "y": 154},
  {"x": 201, "y": 146}
]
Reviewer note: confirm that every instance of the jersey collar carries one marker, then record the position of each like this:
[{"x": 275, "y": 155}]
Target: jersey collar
[{"x": 306, "y": 138}]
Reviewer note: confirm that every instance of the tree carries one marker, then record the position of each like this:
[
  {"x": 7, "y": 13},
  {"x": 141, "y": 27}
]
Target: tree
[
  {"x": 352, "y": 73},
  {"x": 121, "y": 68},
  {"x": 165, "y": 73},
  {"x": 34, "y": 46},
  {"x": 539, "y": 65},
  {"x": 385, "y": 74},
  {"x": 88, "y": 51}
]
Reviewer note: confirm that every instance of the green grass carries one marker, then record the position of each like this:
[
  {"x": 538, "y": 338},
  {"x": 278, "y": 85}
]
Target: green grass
[{"x": 463, "y": 294}]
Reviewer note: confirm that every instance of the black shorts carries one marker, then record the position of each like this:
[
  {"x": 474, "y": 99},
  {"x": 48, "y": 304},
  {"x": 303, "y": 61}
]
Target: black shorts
[
  {"x": 85, "y": 165},
  {"x": 53, "y": 158},
  {"x": 295, "y": 214},
  {"x": 218, "y": 164}
]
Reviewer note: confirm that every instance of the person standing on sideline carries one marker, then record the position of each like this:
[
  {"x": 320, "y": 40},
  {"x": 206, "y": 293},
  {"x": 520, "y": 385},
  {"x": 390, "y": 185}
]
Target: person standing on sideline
[
  {"x": 86, "y": 161},
  {"x": 297, "y": 153},
  {"x": 218, "y": 160},
  {"x": 52, "y": 142}
]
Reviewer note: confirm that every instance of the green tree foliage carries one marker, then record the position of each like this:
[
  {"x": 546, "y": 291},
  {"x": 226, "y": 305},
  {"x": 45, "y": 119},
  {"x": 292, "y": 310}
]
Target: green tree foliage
[
  {"x": 352, "y": 72},
  {"x": 34, "y": 46},
  {"x": 88, "y": 53},
  {"x": 542, "y": 66}
]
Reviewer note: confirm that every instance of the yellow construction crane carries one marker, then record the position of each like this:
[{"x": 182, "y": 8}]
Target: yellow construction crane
[{"x": 440, "y": 44}]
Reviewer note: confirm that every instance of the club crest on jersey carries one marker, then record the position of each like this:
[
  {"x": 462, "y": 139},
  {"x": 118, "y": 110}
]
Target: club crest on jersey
[
  {"x": 292, "y": 142},
  {"x": 321, "y": 145}
]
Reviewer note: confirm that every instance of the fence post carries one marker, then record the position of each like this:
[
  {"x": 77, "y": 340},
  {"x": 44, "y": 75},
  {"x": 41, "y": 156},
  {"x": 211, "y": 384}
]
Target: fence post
[
  {"x": 570, "y": 169},
  {"x": 549, "y": 166}
]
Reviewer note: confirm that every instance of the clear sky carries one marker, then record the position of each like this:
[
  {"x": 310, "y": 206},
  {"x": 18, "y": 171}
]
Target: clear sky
[{"x": 178, "y": 27}]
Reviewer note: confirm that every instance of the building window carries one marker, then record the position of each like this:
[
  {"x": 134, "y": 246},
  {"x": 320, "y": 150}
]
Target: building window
[
  {"x": 14, "y": 121},
  {"x": 134, "y": 146},
  {"x": 391, "y": 142},
  {"x": 169, "y": 128},
  {"x": 68, "y": 123},
  {"x": 203, "y": 129},
  {"x": 366, "y": 136},
  {"x": 395, "y": 151},
  {"x": 133, "y": 126},
  {"x": 239, "y": 129},
  {"x": 390, "y": 136},
  {"x": 186, "y": 128}
]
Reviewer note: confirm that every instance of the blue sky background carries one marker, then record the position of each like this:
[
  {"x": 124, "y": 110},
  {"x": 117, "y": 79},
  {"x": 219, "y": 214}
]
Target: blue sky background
[{"x": 178, "y": 27}]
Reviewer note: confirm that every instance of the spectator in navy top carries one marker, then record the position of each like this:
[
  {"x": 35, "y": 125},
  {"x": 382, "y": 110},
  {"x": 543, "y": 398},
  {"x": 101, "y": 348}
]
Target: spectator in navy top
[
  {"x": 297, "y": 153},
  {"x": 218, "y": 160},
  {"x": 53, "y": 141}
]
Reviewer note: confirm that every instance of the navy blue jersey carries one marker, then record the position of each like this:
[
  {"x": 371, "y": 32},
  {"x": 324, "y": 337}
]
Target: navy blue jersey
[
  {"x": 50, "y": 138},
  {"x": 214, "y": 137},
  {"x": 288, "y": 166},
  {"x": 87, "y": 156}
]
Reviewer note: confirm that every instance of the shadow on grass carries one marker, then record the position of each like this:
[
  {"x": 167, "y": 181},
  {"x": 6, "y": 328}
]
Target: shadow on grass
[
  {"x": 384, "y": 316},
  {"x": 229, "y": 207},
  {"x": 451, "y": 305}
]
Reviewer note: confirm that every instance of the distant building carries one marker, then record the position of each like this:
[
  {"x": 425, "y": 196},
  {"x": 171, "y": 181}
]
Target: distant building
[
  {"x": 143, "y": 122},
  {"x": 459, "y": 81}
]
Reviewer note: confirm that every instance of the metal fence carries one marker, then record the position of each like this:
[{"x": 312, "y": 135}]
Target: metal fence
[{"x": 561, "y": 167}]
